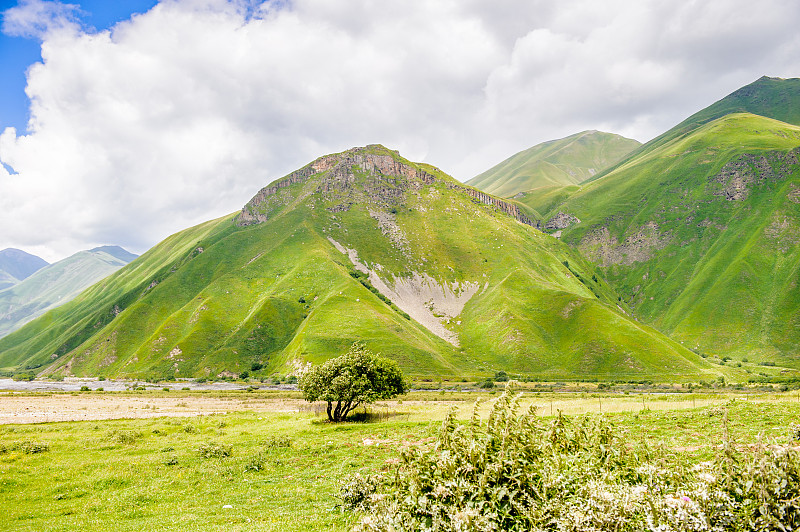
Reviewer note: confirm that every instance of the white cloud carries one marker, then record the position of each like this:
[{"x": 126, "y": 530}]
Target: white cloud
[
  {"x": 182, "y": 113},
  {"x": 39, "y": 18}
]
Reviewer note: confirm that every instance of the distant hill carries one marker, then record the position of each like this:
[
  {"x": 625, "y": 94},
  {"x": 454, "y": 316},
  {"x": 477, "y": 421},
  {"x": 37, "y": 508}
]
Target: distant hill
[
  {"x": 117, "y": 252},
  {"x": 568, "y": 161},
  {"x": 700, "y": 231},
  {"x": 7, "y": 280},
  {"x": 362, "y": 245},
  {"x": 16, "y": 265},
  {"x": 56, "y": 284}
]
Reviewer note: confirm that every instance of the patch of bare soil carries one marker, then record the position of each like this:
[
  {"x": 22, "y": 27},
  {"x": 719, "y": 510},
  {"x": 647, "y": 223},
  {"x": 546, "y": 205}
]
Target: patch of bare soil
[
  {"x": 54, "y": 407},
  {"x": 91, "y": 407},
  {"x": 429, "y": 302}
]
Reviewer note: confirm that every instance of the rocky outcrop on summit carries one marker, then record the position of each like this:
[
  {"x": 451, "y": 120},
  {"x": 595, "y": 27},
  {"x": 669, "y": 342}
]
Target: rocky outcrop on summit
[
  {"x": 339, "y": 174},
  {"x": 372, "y": 174}
]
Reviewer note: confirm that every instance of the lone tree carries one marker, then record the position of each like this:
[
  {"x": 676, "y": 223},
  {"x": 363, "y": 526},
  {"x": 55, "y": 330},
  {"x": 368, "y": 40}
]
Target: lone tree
[{"x": 357, "y": 377}]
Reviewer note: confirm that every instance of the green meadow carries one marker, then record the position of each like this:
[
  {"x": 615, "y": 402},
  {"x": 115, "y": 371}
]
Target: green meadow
[{"x": 281, "y": 471}]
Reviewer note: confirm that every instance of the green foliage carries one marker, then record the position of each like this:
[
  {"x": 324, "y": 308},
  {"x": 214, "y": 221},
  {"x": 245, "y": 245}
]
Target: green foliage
[
  {"x": 501, "y": 376},
  {"x": 214, "y": 450},
  {"x": 355, "y": 378},
  {"x": 519, "y": 472},
  {"x": 278, "y": 442},
  {"x": 127, "y": 437},
  {"x": 486, "y": 384},
  {"x": 27, "y": 447}
]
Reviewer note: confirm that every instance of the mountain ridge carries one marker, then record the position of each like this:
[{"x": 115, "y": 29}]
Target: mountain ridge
[
  {"x": 361, "y": 245},
  {"x": 55, "y": 284},
  {"x": 561, "y": 162},
  {"x": 17, "y": 265}
]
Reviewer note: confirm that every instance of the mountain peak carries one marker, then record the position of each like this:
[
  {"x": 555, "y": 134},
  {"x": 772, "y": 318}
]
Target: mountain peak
[
  {"x": 115, "y": 251},
  {"x": 562, "y": 162},
  {"x": 20, "y": 264},
  {"x": 372, "y": 174}
]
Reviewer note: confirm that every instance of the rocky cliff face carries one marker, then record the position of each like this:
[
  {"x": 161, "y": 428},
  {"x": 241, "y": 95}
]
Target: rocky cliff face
[
  {"x": 736, "y": 178},
  {"x": 372, "y": 174}
]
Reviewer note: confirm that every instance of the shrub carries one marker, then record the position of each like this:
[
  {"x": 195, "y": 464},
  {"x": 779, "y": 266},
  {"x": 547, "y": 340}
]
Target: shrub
[
  {"x": 127, "y": 437},
  {"x": 518, "y": 472},
  {"x": 215, "y": 450},
  {"x": 31, "y": 447},
  {"x": 357, "y": 492},
  {"x": 255, "y": 366},
  {"x": 274, "y": 442},
  {"x": 85, "y": 389},
  {"x": 488, "y": 384},
  {"x": 257, "y": 463}
]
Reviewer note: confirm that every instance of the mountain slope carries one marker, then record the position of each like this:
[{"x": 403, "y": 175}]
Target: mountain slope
[
  {"x": 776, "y": 98},
  {"x": 362, "y": 245},
  {"x": 16, "y": 265},
  {"x": 700, "y": 234},
  {"x": 567, "y": 161},
  {"x": 7, "y": 280},
  {"x": 56, "y": 284}
]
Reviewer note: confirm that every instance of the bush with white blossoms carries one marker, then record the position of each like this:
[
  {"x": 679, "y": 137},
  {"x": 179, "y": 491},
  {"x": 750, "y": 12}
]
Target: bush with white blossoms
[{"x": 516, "y": 471}]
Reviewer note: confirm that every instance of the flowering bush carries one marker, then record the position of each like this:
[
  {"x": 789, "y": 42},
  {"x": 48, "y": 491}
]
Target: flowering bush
[
  {"x": 357, "y": 492},
  {"x": 518, "y": 472}
]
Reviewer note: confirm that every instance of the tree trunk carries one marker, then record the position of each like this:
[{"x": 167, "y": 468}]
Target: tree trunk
[{"x": 330, "y": 417}]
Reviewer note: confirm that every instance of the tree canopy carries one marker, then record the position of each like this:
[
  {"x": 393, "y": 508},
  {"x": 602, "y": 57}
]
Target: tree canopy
[{"x": 357, "y": 377}]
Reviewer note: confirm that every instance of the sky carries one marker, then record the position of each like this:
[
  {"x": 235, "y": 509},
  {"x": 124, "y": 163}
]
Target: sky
[{"x": 122, "y": 122}]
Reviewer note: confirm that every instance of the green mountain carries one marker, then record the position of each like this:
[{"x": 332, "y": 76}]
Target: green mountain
[
  {"x": 16, "y": 265},
  {"x": 776, "y": 98},
  {"x": 56, "y": 284},
  {"x": 700, "y": 230},
  {"x": 557, "y": 163},
  {"x": 361, "y": 245}
]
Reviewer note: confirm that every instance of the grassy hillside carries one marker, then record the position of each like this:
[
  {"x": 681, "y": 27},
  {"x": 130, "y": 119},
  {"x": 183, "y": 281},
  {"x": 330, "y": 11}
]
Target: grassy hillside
[
  {"x": 362, "y": 245},
  {"x": 544, "y": 199},
  {"x": 567, "y": 161},
  {"x": 7, "y": 280},
  {"x": 700, "y": 235},
  {"x": 56, "y": 284},
  {"x": 776, "y": 98}
]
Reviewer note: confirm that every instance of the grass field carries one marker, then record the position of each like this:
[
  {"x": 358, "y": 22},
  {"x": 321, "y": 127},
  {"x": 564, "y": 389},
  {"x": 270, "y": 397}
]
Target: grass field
[{"x": 280, "y": 470}]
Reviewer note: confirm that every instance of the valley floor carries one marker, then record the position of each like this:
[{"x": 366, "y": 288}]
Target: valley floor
[{"x": 272, "y": 462}]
